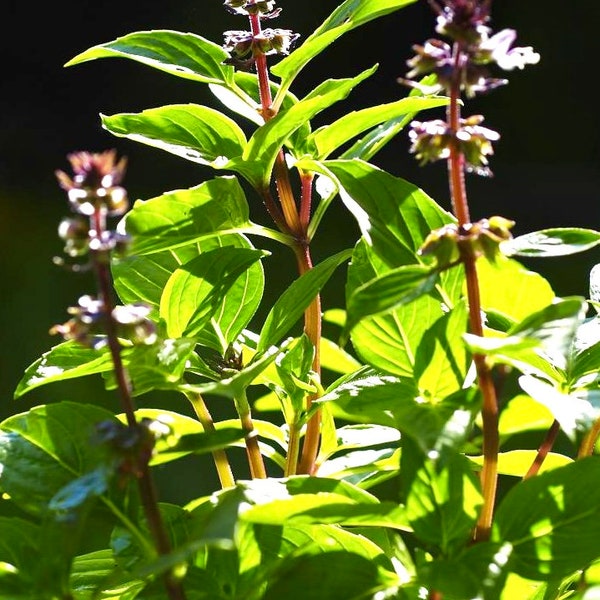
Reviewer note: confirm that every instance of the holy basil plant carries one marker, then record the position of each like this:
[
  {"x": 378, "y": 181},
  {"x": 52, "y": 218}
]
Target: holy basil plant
[{"x": 400, "y": 445}]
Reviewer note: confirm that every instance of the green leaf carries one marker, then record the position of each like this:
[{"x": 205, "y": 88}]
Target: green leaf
[
  {"x": 376, "y": 139},
  {"x": 183, "y": 217},
  {"x": 349, "y": 15},
  {"x": 181, "y": 54},
  {"x": 559, "y": 241},
  {"x": 68, "y": 360},
  {"x": 265, "y": 143},
  {"x": 441, "y": 360},
  {"x": 508, "y": 288},
  {"x": 143, "y": 278},
  {"x": 290, "y": 306},
  {"x": 197, "y": 133},
  {"x": 550, "y": 524},
  {"x": 388, "y": 341},
  {"x": 517, "y": 462},
  {"x": 330, "y": 137},
  {"x": 95, "y": 571},
  {"x": 232, "y": 387},
  {"x": 392, "y": 289},
  {"x": 184, "y": 435},
  {"x": 443, "y": 501},
  {"x": 45, "y": 449},
  {"x": 196, "y": 290}
]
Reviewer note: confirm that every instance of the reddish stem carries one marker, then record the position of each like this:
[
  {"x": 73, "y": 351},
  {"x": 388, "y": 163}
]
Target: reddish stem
[{"x": 544, "y": 449}]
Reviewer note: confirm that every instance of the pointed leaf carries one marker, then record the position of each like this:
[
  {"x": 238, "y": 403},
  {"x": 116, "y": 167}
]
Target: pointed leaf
[
  {"x": 347, "y": 16},
  {"x": 68, "y": 360},
  {"x": 290, "y": 306},
  {"x": 392, "y": 289},
  {"x": 194, "y": 292},
  {"x": 185, "y": 216},
  {"x": 560, "y": 241},
  {"x": 266, "y": 142},
  {"x": 181, "y": 54},
  {"x": 330, "y": 137},
  {"x": 197, "y": 133}
]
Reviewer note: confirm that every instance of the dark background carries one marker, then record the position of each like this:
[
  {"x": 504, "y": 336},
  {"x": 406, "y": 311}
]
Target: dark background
[{"x": 545, "y": 168}]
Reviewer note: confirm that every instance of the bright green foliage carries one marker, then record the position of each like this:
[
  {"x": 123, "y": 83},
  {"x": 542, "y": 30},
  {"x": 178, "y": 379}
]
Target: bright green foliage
[{"x": 398, "y": 397}]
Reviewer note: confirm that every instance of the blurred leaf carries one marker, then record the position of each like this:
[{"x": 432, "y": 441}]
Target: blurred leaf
[
  {"x": 507, "y": 287},
  {"x": 576, "y": 412},
  {"x": 518, "y": 462},
  {"x": 559, "y": 241}
]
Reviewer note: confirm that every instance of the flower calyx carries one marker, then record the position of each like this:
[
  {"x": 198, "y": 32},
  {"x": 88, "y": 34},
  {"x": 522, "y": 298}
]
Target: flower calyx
[
  {"x": 450, "y": 244},
  {"x": 433, "y": 140},
  {"x": 244, "y": 46}
]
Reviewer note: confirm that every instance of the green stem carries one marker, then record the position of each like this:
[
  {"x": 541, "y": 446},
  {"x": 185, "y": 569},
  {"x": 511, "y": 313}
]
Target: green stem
[
  {"x": 255, "y": 459},
  {"x": 293, "y": 451},
  {"x": 589, "y": 441},
  {"x": 219, "y": 456}
]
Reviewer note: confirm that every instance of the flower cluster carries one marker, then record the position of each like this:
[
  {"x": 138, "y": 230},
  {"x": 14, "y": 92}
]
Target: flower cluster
[
  {"x": 87, "y": 325},
  {"x": 432, "y": 140},
  {"x": 244, "y": 46},
  {"x": 464, "y": 65},
  {"x": 94, "y": 192},
  {"x": 450, "y": 243}
]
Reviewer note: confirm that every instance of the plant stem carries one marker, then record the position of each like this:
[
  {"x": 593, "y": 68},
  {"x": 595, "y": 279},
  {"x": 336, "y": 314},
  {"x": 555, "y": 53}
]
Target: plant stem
[
  {"x": 297, "y": 225},
  {"x": 543, "y": 450},
  {"x": 291, "y": 464},
  {"x": 255, "y": 459},
  {"x": 219, "y": 456},
  {"x": 145, "y": 482},
  {"x": 489, "y": 410},
  {"x": 589, "y": 441},
  {"x": 312, "y": 327}
]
